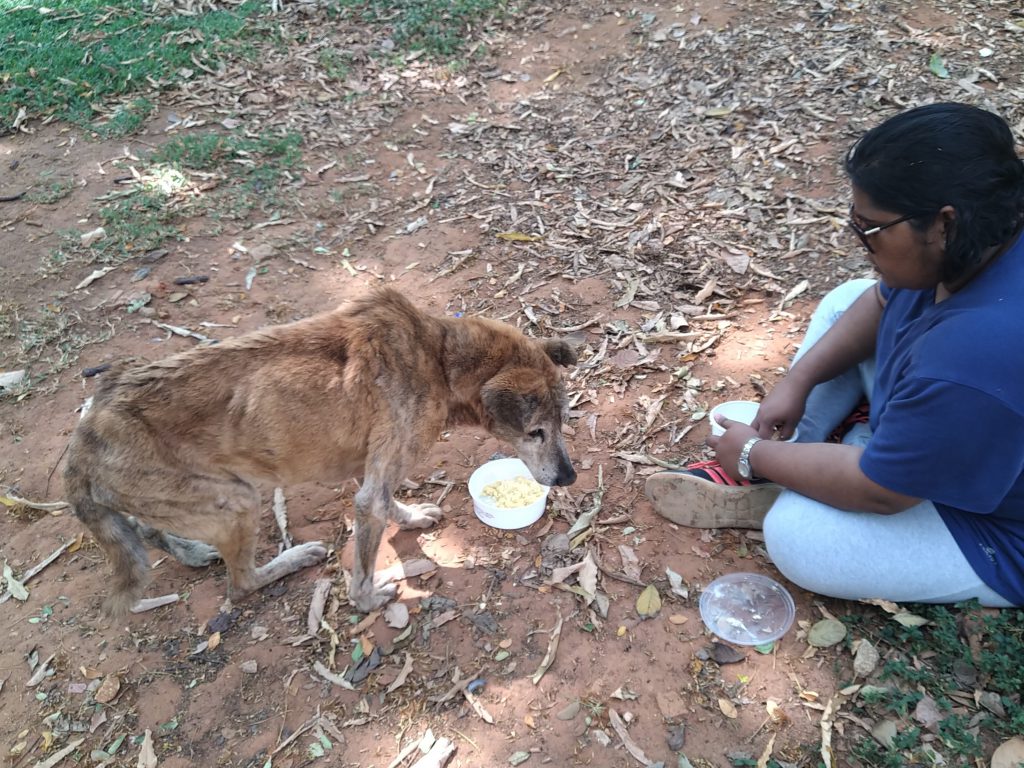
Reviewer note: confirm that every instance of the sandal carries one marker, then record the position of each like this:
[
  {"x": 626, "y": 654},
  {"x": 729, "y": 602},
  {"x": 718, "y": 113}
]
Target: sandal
[
  {"x": 860, "y": 415},
  {"x": 704, "y": 496}
]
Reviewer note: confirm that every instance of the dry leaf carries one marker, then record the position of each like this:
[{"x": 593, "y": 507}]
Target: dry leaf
[
  {"x": 588, "y": 577},
  {"x": 147, "y": 757},
  {"x": 213, "y": 641},
  {"x": 676, "y": 584},
  {"x": 15, "y": 587},
  {"x": 727, "y": 707},
  {"x": 519, "y": 237},
  {"x": 365, "y": 624},
  {"x": 396, "y": 615},
  {"x": 630, "y": 562},
  {"x": 767, "y": 754},
  {"x": 866, "y": 659},
  {"x": 826, "y": 633},
  {"x": 678, "y": 618},
  {"x": 910, "y": 619},
  {"x": 92, "y": 278},
  {"x": 108, "y": 689},
  {"x": 649, "y": 602},
  {"x": 400, "y": 680}
]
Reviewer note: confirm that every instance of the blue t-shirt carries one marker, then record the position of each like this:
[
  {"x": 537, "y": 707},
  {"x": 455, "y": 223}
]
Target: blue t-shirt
[{"x": 947, "y": 413}]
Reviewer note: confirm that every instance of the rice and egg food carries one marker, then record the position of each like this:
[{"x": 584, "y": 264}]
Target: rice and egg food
[{"x": 517, "y": 492}]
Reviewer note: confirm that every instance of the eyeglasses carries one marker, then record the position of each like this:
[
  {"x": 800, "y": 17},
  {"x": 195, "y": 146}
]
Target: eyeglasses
[{"x": 864, "y": 234}]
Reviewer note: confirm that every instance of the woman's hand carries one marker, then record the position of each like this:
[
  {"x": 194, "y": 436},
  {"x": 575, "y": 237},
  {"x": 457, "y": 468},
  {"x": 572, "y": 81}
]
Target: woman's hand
[
  {"x": 728, "y": 446},
  {"x": 782, "y": 408}
]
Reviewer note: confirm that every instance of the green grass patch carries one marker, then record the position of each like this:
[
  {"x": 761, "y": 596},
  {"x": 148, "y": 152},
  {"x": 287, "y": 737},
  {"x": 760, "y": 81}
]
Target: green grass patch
[
  {"x": 50, "y": 192},
  {"x": 935, "y": 661},
  {"x": 62, "y": 57},
  {"x": 257, "y": 169},
  {"x": 249, "y": 155},
  {"x": 50, "y": 340},
  {"x": 135, "y": 224},
  {"x": 126, "y": 119},
  {"x": 144, "y": 216},
  {"x": 440, "y": 27}
]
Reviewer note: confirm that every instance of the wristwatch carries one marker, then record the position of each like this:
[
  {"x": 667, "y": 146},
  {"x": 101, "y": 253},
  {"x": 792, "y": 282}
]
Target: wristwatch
[{"x": 744, "y": 463}]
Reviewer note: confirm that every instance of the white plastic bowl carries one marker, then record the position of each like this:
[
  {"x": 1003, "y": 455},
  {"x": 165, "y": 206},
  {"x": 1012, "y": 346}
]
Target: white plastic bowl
[
  {"x": 738, "y": 410},
  {"x": 500, "y": 517}
]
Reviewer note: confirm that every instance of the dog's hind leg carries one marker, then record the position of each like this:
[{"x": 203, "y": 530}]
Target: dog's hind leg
[
  {"x": 410, "y": 516},
  {"x": 123, "y": 548}
]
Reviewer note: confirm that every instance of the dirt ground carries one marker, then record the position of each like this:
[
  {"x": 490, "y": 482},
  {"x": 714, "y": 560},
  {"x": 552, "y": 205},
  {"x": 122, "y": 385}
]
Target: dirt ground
[{"x": 231, "y": 689}]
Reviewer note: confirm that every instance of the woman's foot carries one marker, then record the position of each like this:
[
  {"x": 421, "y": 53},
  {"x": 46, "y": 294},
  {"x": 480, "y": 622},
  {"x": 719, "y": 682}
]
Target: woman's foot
[{"x": 704, "y": 496}]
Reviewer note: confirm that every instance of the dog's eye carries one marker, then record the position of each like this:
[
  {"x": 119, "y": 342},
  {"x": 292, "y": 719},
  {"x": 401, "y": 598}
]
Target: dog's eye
[{"x": 537, "y": 434}]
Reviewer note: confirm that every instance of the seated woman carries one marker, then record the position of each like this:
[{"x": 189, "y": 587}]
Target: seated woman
[{"x": 925, "y": 501}]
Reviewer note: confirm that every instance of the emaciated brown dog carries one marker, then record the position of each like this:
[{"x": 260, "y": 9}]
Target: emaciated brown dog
[{"x": 172, "y": 451}]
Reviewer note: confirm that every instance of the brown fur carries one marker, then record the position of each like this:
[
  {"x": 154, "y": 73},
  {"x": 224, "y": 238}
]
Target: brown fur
[{"x": 363, "y": 391}]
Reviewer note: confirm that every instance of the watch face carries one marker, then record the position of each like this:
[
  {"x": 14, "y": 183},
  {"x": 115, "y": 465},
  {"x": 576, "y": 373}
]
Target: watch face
[{"x": 744, "y": 469}]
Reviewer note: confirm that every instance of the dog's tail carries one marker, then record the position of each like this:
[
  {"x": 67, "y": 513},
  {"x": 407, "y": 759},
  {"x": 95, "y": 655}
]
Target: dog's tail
[{"x": 119, "y": 540}]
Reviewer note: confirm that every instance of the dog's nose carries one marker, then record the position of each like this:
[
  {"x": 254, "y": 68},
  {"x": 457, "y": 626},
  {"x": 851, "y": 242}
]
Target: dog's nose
[{"x": 566, "y": 475}]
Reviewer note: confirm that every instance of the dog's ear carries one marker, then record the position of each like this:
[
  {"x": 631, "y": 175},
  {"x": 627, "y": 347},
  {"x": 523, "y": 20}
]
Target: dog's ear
[
  {"x": 560, "y": 351},
  {"x": 506, "y": 406}
]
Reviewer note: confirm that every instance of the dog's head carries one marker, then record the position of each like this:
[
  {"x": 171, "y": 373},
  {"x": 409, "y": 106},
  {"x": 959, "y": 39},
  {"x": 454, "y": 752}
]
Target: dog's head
[{"x": 526, "y": 406}]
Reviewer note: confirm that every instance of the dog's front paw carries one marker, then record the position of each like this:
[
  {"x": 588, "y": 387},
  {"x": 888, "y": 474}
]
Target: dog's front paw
[
  {"x": 417, "y": 515},
  {"x": 370, "y": 597}
]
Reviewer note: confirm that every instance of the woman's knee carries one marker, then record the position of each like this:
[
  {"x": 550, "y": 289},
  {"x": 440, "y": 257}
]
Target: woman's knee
[
  {"x": 793, "y": 544},
  {"x": 839, "y": 299}
]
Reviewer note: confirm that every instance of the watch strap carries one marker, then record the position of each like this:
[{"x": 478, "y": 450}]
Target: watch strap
[{"x": 744, "y": 458}]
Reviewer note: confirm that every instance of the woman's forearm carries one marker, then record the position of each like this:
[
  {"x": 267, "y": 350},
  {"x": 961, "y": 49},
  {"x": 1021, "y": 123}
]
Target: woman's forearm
[{"x": 826, "y": 472}]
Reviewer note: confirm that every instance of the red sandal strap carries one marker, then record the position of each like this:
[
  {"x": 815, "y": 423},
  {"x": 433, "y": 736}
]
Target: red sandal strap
[{"x": 716, "y": 473}]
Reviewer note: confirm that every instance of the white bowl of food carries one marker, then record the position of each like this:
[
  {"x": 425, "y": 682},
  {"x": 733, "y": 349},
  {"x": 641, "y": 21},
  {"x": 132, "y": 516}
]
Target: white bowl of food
[
  {"x": 506, "y": 496},
  {"x": 744, "y": 411}
]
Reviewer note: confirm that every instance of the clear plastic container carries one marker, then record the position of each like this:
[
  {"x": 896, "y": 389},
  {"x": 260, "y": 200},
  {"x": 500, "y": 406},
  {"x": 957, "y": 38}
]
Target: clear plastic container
[
  {"x": 502, "y": 517},
  {"x": 747, "y": 608}
]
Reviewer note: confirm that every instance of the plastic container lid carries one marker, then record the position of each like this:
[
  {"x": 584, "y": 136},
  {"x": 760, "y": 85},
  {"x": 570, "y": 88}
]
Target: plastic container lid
[
  {"x": 747, "y": 608},
  {"x": 502, "y": 517}
]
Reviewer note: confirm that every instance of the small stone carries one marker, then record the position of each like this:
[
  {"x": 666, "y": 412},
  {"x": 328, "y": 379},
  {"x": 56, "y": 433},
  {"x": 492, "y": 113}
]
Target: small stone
[
  {"x": 601, "y": 737},
  {"x": 671, "y": 705},
  {"x": 677, "y": 737},
  {"x": 250, "y": 666},
  {"x": 570, "y": 712},
  {"x": 866, "y": 659}
]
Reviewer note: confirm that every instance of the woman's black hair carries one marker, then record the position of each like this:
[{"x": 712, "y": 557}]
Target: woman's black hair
[{"x": 945, "y": 154}]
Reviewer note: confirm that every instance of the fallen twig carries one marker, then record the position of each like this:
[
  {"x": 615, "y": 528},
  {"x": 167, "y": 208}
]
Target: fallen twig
[
  {"x": 549, "y": 657},
  {"x": 34, "y": 570},
  {"x": 281, "y": 516},
  {"x": 149, "y": 603},
  {"x": 56, "y": 757},
  {"x": 631, "y": 746},
  {"x": 321, "y": 589},
  {"x": 314, "y": 720},
  {"x": 438, "y": 756},
  {"x": 330, "y": 677}
]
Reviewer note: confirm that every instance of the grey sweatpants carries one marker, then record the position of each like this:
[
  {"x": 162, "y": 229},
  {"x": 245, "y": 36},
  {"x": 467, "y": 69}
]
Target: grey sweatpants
[{"x": 905, "y": 557}]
